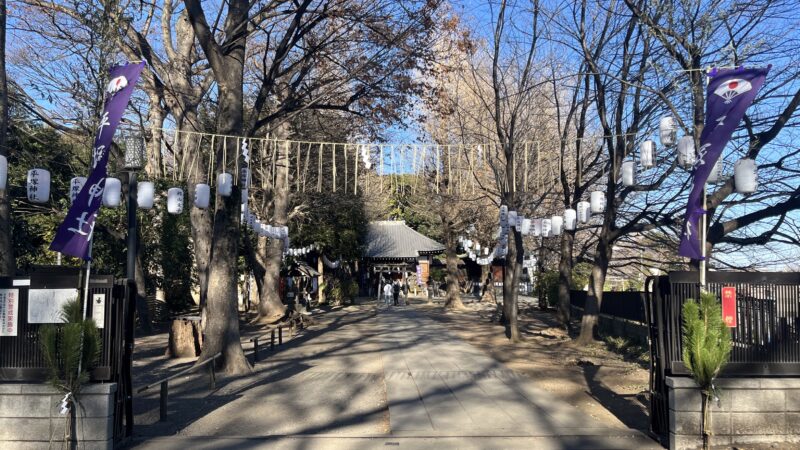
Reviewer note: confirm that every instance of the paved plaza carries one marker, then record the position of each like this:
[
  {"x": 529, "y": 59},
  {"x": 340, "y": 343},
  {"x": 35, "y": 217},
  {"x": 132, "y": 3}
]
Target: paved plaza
[{"x": 368, "y": 377}]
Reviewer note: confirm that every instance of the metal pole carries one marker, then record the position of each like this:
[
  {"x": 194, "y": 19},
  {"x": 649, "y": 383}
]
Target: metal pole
[
  {"x": 703, "y": 238},
  {"x": 129, "y": 313},
  {"x": 132, "y": 238}
]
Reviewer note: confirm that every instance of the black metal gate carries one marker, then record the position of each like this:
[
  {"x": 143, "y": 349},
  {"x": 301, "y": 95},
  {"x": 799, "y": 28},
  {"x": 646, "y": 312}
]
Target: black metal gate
[
  {"x": 21, "y": 358},
  {"x": 766, "y": 340}
]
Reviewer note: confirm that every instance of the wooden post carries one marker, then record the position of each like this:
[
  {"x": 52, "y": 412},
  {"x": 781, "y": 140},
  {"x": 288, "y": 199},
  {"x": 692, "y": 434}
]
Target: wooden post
[
  {"x": 320, "y": 280},
  {"x": 163, "y": 401}
]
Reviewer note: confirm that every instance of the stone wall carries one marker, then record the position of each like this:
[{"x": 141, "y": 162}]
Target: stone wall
[
  {"x": 30, "y": 419},
  {"x": 751, "y": 411}
]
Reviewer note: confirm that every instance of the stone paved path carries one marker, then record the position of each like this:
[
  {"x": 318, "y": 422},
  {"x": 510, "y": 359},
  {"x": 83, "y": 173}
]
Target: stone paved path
[{"x": 372, "y": 378}]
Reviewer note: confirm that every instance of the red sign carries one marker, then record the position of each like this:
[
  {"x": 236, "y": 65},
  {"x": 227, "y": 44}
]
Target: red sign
[{"x": 729, "y": 306}]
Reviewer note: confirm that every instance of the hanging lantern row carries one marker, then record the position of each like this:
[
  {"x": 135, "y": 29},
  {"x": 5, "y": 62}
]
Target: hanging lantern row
[
  {"x": 745, "y": 172},
  {"x": 301, "y": 251}
]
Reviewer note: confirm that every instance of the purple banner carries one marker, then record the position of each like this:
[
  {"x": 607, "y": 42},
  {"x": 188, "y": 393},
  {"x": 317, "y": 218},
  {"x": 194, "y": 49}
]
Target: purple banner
[
  {"x": 730, "y": 92},
  {"x": 75, "y": 233}
]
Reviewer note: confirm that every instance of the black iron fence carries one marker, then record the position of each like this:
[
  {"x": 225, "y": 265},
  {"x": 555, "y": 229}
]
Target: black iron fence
[
  {"x": 39, "y": 297},
  {"x": 628, "y": 305},
  {"x": 766, "y": 339}
]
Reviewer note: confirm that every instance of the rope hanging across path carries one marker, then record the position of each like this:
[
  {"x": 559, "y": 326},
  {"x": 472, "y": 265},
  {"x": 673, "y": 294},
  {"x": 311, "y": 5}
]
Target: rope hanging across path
[{"x": 448, "y": 173}]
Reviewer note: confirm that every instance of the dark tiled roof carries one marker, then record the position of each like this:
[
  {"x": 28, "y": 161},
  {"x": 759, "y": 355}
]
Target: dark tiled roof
[{"x": 394, "y": 239}]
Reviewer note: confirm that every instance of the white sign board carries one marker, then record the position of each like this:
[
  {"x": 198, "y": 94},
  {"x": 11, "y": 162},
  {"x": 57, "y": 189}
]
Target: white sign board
[
  {"x": 47, "y": 305},
  {"x": 9, "y": 310},
  {"x": 99, "y": 310}
]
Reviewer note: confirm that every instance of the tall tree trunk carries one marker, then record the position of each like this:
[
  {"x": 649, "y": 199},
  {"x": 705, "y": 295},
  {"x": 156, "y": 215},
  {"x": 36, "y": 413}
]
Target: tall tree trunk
[
  {"x": 155, "y": 116},
  {"x": 320, "y": 280},
  {"x": 453, "y": 299},
  {"x": 201, "y": 223},
  {"x": 565, "y": 277},
  {"x": 222, "y": 317},
  {"x": 227, "y": 62},
  {"x": 594, "y": 298},
  {"x": 7, "y": 263},
  {"x": 270, "y": 306},
  {"x": 510, "y": 280}
]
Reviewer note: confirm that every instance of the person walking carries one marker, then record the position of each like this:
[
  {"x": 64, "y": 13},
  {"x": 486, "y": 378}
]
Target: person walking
[
  {"x": 396, "y": 292},
  {"x": 387, "y": 292}
]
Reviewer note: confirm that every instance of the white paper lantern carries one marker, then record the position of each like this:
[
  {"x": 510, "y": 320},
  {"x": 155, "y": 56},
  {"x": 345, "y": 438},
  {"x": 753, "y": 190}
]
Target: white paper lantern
[
  {"x": 145, "y": 194},
  {"x": 486, "y": 251},
  {"x": 38, "y": 186},
  {"x": 686, "y": 152},
  {"x": 512, "y": 218},
  {"x": 667, "y": 131},
  {"x": 477, "y": 247},
  {"x": 526, "y": 226},
  {"x": 3, "y": 172},
  {"x": 503, "y": 215},
  {"x": 244, "y": 177},
  {"x": 628, "y": 173},
  {"x": 547, "y": 227},
  {"x": 556, "y": 225},
  {"x": 537, "y": 227},
  {"x": 112, "y": 193},
  {"x": 225, "y": 184},
  {"x": 75, "y": 186},
  {"x": 570, "y": 219},
  {"x": 716, "y": 172},
  {"x": 745, "y": 176},
  {"x": 647, "y": 154},
  {"x": 202, "y": 195},
  {"x": 584, "y": 213},
  {"x": 598, "y": 202},
  {"x": 175, "y": 200}
]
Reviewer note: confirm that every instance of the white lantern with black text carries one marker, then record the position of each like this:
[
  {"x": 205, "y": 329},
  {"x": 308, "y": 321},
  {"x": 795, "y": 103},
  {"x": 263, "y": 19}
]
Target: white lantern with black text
[
  {"x": 225, "y": 184},
  {"x": 686, "y": 152},
  {"x": 667, "y": 131},
  {"x": 647, "y": 154},
  {"x": 598, "y": 202},
  {"x": 75, "y": 186},
  {"x": 38, "y": 186},
  {"x": 202, "y": 195},
  {"x": 570, "y": 219},
  {"x": 503, "y": 215},
  {"x": 175, "y": 200},
  {"x": 716, "y": 173},
  {"x": 3, "y": 172},
  {"x": 112, "y": 194},
  {"x": 244, "y": 177},
  {"x": 628, "y": 173},
  {"x": 547, "y": 227},
  {"x": 526, "y": 226},
  {"x": 556, "y": 225},
  {"x": 145, "y": 194},
  {"x": 584, "y": 213},
  {"x": 745, "y": 176}
]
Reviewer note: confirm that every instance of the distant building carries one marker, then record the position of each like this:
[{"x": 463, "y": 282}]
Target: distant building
[{"x": 395, "y": 250}]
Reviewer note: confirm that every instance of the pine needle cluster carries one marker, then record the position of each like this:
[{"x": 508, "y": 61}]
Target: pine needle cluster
[
  {"x": 70, "y": 344},
  {"x": 706, "y": 340}
]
